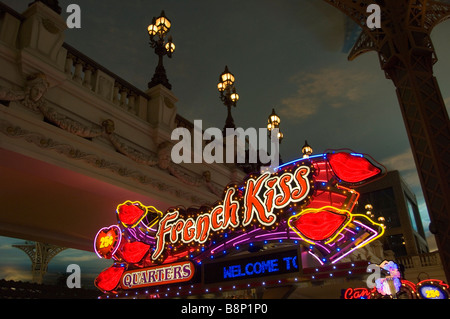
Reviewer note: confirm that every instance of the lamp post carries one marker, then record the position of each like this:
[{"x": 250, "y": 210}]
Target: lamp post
[
  {"x": 228, "y": 95},
  {"x": 158, "y": 31},
  {"x": 273, "y": 122}
]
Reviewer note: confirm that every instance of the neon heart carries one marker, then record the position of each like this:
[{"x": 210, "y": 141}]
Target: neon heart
[{"x": 107, "y": 241}]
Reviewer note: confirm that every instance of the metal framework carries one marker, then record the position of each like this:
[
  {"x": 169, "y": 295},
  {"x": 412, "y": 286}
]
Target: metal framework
[
  {"x": 40, "y": 255},
  {"x": 407, "y": 56}
]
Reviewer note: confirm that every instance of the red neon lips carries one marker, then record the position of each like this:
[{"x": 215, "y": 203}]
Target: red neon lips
[
  {"x": 319, "y": 224},
  {"x": 352, "y": 168},
  {"x": 108, "y": 279},
  {"x": 130, "y": 214},
  {"x": 134, "y": 252}
]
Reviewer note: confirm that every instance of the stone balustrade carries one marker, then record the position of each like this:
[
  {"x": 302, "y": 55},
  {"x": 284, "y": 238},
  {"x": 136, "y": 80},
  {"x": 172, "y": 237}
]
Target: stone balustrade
[
  {"x": 420, "y": 261},
  {"x": 94, "y": 77}
]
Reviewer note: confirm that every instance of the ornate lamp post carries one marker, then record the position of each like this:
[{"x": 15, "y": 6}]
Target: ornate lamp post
[
  {"x": 273, "y": 122},
  {"x": 228, "y": 95},
  {"x": 158, "y": 31}
]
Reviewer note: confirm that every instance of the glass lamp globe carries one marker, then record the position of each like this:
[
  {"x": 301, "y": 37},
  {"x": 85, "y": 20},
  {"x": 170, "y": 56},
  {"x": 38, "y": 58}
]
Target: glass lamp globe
[
  {"x": 152, "y": 29},
  {"x": 227, "y": 77},
  {"x": 162, "y": 23},
  {"x": 234, "y": 97},
  {"x": 170, "y": 47},
  {"x": 274, "y": 118}
]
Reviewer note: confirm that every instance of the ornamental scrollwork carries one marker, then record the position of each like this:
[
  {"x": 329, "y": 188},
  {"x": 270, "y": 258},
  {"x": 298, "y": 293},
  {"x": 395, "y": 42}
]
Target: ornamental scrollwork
[{"x": 32, "y": 96}]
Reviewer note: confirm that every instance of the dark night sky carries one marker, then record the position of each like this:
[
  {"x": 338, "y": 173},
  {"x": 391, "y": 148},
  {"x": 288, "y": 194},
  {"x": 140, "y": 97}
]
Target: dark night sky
[{"x": 285, "y": 54}]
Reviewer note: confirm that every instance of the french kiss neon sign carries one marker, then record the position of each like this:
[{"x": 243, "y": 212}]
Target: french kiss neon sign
[
  {"x": 309, "y": 201},
  {"x": 262, "y": 196}
]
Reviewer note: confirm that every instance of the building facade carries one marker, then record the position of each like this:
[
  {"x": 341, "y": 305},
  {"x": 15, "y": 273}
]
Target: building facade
[{"x": 392, "y": 199}]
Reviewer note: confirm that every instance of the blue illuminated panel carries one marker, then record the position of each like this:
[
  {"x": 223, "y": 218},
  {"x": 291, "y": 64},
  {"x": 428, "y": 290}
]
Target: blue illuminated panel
[
  {"x": 432, "y": 292},
  {"x": 256, "y": 265}
]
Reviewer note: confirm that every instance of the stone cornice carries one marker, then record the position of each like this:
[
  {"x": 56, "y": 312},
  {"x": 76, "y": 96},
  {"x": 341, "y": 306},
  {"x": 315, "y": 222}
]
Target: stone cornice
[{"x": 96, "y": 161}]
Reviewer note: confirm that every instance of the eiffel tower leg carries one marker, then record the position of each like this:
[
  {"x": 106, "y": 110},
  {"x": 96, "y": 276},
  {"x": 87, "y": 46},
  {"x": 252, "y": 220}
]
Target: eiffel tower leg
[
  {"x": 40, "y": 255},
  {"x": 427, "y": 122}
]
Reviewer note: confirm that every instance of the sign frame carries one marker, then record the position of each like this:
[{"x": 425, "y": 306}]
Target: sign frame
[
  {"x": 162, "y": 268},
  {"x": 257, "y": 255}
]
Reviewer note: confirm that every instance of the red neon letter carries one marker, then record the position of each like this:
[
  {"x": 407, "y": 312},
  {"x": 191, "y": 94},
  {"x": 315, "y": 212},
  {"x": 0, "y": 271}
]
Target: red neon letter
[
  {"x": 202, "y": 230},
  {"x": 189, "y": 231},
  {"x": 282, "y": 200},
  {"x": 252, "y": 202},
  {"x": 270, "y": 193},
  {"x": 215, "y": 223},
  {"x": 300, "y": 177},
  {"x": 161, "y": 234},
  {"x": 230, "y": 210}
]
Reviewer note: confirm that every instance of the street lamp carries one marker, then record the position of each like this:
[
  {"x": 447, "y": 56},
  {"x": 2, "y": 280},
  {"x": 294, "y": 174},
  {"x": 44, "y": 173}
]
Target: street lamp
[
  {"x": 228, "y": 95},
  {"x": 157, "y": 31},
  {"x": 273, "y": 122},
  {"x": 306, "y": 150}
]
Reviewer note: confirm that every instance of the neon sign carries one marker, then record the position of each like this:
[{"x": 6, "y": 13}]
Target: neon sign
[
  {"x": 426, "y": 289},
  {"x": 432, "y": 289},
  {"x": 107, "y": 241},
  {"x": 165, "y": 274},
  {"x": 308, "y": 202},
  {"x": 262, "y": 196},
  {"x": 258, "y": 265},
  {"x": 357, "y": 293}
]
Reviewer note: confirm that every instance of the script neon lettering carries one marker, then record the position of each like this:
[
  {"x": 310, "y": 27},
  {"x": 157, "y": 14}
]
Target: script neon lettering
[
  {"x": 284, "y": 198},
  {"x": 254, "y": 204},
  {"x": 189, "y": 230},
  {"x": 203, "y": 227},
  {"x": 261, "y": 197},
  {"x": 301, "y": 177},
  {"x": 216, "y": 224},
  {"x": 270, "y": 193},
  {"x": 231, "y": 209},
  {"x": 161, "y": 234}
]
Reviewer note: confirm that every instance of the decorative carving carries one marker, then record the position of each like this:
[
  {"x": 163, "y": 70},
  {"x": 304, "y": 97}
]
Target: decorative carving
[
  {"x": 35, "y": 90},
  {"x": 164, "y": 157},
  {"x": 33, "y": 98},
  {"x": 70, "y": 125},
  {"x": 11, "y": 95},
  {"x": 69, "y": 151}
]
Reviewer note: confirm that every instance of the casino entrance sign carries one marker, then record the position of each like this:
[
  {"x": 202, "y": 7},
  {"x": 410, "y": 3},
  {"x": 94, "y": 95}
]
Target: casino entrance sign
[{"x": 308, "y": 202}]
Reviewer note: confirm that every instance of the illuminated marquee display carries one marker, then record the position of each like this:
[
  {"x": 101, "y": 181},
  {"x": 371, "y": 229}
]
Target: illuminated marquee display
[
  {"x": 276, "y": 263},
  {"x": 165, "y": 274},
  {"x": 432, "y": 289},
  {"x": 308, "y": 202},
  {"x": 107, "y": 241},
  {"x": 426, "y": 289},
  {"x": 263, "y": 195}
]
